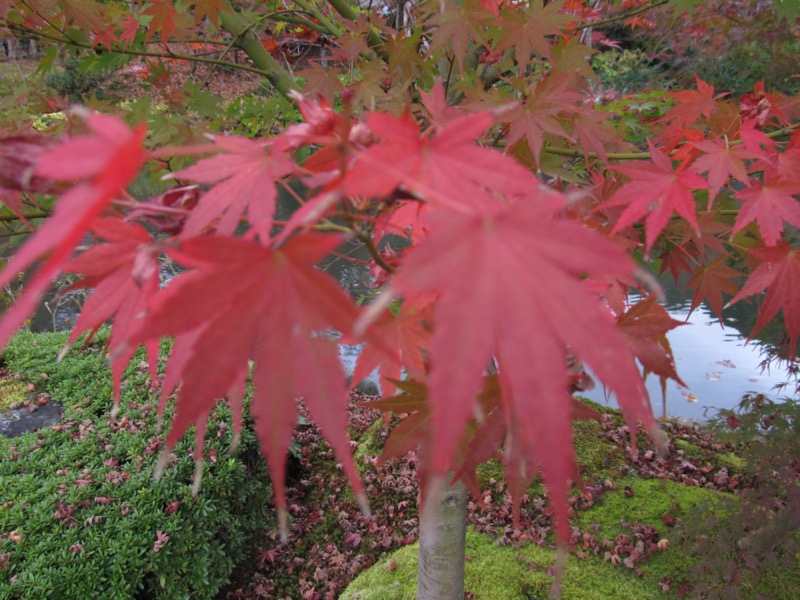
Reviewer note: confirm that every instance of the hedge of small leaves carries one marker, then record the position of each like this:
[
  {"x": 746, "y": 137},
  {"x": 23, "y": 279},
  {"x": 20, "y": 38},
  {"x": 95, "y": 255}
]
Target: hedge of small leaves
[{"x": 80, "y": 513}]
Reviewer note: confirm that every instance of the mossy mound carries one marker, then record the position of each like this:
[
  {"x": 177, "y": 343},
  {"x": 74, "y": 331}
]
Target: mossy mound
[
  {"x": 645, "y": 501},
  {"x": 503, "y": 573},
  {"x": 654, "y": 502},
  {"x": 725, "y": 459}
]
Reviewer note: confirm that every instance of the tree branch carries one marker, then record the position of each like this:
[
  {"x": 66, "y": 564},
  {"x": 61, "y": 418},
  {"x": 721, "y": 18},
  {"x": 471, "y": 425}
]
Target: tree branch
[
  {"x": 15, "y": 217},
  {"x": 131, "y": 52},
  {"x": 575, "y": 153},
  {"x": 623, "y": 16}
]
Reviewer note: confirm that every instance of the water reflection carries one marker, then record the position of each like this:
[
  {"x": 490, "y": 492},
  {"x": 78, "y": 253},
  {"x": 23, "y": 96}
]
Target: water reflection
[{"x": 717, "y": 364}]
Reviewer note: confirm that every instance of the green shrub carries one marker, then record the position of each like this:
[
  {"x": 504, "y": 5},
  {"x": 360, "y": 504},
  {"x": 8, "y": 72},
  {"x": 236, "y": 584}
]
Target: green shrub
[
  {"x": 731, "y": 45},
  {"x": 628, "y": 71},
  {"x": 74, "y": 82},
  {"x": 81, "y": 514},
  {"x": 743, "y": 65}
]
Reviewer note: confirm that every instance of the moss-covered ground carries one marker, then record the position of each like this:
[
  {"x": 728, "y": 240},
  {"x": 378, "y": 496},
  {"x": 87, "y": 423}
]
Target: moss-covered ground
[
  {"x": 629, "y": 509},
  {"x": 496, "y": 572}
]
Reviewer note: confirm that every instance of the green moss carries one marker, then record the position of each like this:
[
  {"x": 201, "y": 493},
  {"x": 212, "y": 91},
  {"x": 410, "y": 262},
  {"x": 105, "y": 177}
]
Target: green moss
[
  {"x": 503, "y": 573},
  {"x": 116, "y": 460},
  {"x": 650, "y": 501},
  {"x": 779, "y": 583},
  {"x": 11, "y": 392},
  {"x": 491, "y": 469},
  {"x": 723, "y": 459},
  {"x": 370, "y": 444},
  {"x": 730, "y": 460},
  {"x": 688, "y": 448},
  {"x": 595, "y": 454}
]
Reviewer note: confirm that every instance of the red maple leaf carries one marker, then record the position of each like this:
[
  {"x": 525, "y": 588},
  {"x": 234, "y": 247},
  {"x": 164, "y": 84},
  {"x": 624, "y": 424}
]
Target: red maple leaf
[
  {"x": 779, "y": 274},
  {"x": 209, "y": 9},
  {"x": 245, "y": 175},
  {"x": 538, "y": 114},
  {"x": 692, "y": 105},
  {"x": 129, "y": 27},
  {"x": 512, "y": 272},
  {"x": 722, "y": 161},
  {"x": 769, "y": 204},
  {"x": 123, "y": 272},
  {"x": 656, "y": 190},
  {"x": 446, "y": 168},
  {"x": 527, "y": 29},
  {"x": 456, "y": 26},
  {"x": 278, "y": 304},
  {"x": 108, "y": 160},
  {"x": 593, "y": 134},
  {"x": 166, "y": 20}
]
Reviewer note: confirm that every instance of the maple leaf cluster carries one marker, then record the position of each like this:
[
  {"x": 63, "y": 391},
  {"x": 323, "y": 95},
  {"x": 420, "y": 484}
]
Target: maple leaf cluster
[{"x": 503, "y": 270}]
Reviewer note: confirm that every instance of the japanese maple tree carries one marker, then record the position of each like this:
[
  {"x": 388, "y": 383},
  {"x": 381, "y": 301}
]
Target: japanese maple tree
[{"x": 469, "y": 131}]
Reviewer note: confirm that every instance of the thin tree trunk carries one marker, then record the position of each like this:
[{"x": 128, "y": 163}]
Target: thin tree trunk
[{"x": 442, "y": 543}]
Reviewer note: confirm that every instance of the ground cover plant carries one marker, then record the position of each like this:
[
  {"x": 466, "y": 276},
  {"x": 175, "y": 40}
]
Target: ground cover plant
[
  {"x": 530, "y": 207},
  {"x": 81, "y": 516}
]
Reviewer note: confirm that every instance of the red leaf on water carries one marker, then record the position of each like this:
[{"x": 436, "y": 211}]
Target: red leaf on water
[
  {"x": 709, "y": 281},
  {"x": 645, "y": 325}
]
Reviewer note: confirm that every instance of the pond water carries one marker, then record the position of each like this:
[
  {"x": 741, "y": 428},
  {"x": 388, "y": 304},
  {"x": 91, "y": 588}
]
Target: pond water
[{"x": 717, "y": 364}]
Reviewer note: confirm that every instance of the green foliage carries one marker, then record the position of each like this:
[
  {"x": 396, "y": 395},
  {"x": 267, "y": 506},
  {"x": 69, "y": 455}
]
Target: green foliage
[
  {"x": 595, "y": 455},
  {"x": 628, "y": 71},
  {"x": 370, "y": 444},
  {"x": 645, "y": 501},
  {"x": 743, "y": 65},
  {"x": 731, "y": 45},
  {"x": 255, "y": 115},
  {"x": 82, "y": 516},
  {"x": 75, "y": 81},
  {"x": 11, "y": 392}
]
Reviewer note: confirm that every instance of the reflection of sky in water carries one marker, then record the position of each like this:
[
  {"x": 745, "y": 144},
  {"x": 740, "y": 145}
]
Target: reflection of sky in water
[{"x": 715, "y": 364}]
